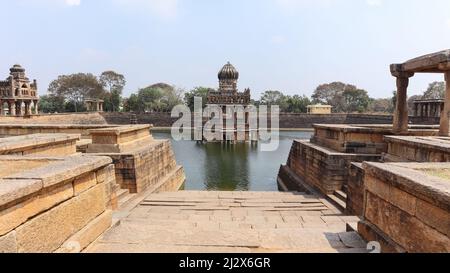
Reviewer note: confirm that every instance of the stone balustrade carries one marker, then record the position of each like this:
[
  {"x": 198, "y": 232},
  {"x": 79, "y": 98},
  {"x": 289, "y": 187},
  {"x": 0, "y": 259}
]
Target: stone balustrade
[
  {"x": 407, "y": 206},
  {"x": 54, "y": 204},
  {"x": 417, "y": 149}
]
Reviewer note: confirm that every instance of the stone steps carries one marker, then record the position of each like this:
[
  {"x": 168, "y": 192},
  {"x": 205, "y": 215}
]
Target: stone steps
[
  {"x": 236, "y": 222},
  {"x": 337, "y": 201}
]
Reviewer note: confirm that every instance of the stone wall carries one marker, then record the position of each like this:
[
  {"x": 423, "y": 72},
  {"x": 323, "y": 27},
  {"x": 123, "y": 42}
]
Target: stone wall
[
  {"x": 407, "y": 207},
  {"x": 66, "y": 118},
  {"x": 54, "y": 204},
  {"x": 287, "y": 120},
  {"x": 322, "y": 168},
  {"x": 142, "y": 163}
]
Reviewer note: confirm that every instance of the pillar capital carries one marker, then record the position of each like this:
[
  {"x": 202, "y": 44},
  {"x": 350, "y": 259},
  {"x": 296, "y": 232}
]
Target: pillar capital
[{"x": 402, "y": 74}]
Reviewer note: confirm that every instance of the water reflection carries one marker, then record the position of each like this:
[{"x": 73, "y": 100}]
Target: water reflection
[
  {"x": 226, "y": 166},
  {"x": 239, "y": 167}
]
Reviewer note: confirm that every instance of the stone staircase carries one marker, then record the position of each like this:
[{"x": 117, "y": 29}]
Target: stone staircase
[
  {"x": 339, "y": 199},
  {"x": 242, "y": 222}
]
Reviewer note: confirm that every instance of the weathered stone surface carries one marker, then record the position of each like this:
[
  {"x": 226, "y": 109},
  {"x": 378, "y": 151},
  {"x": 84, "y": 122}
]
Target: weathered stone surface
[
  {"x": 8, "y": 243},
  {"x": 14, "y": 189},
  {"x": 39, "y": 144},
  {"x": 319, "y": 167},
  {"x": 68, "y": 169},
  {"x": 49, "y": 230},
  {"x": 88, "y": 234},
  {"x": 13, "y": 216},
  {"x": 406, "y": 230},
  {"x": 85, "y": 182},
  {"x": 171, "y": 222}
]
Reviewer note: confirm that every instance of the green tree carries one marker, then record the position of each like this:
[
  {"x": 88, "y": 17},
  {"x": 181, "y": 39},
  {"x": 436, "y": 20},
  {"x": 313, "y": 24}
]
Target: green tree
[
  {"x": 132, "y": 104},
  {"x": 75, "y": 88},
  {"x": 113, "y": 83},
  {"x": 381, "y": 105},
  {"x": 158, "y": 97},
  {"x": 343, "y": 97},
  {"x": 51, "y": 104},
  {"x": 356, "y": 100},
  {"x": 297, "y": 104},
  {"x": 272, "y": 97},
  {"x": 197, "y": 92},
  {"x": 436, "y": 90}
]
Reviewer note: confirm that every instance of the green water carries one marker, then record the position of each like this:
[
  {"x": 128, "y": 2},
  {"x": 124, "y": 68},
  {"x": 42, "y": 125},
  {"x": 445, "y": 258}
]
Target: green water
[{"x": 241, "y": 167}]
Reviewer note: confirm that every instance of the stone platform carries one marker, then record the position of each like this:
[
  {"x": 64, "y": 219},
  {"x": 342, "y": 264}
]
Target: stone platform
[
  {"x": 407, "y": 206},
  {"x": 417, "y": 149},
  {"x": 50, "y": 204},
  {"x": 141, "y": 162},
  {"x": 39, "y": 144},
  {"x": 320, "y": 167},
  {"x": 362, "y": 139},
  {"x": 235, "y": 222}
]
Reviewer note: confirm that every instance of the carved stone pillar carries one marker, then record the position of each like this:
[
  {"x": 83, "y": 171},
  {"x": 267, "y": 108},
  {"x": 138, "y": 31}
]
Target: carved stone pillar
[
  {"x": 36, "y": 107},
  {"x": 12, "y": 108},
  {"x": 18, "y": 106},
  {"x": 444, "y": 129},
  {"x": 27, "y": 108},
  {"x": 401, "y": 109}
]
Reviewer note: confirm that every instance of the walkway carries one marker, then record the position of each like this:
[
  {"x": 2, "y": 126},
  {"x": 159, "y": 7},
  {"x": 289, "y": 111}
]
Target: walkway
[{"x": 243, "y": 222}]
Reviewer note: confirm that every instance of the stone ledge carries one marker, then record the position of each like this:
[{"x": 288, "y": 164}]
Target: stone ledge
[
  {"x": 55, "y": 171},
  {"x": 436, "y": 143},
  {"x": 121, "y": 129},
  {"x": 406, "y": 177},
  {"x": 20, "y": 143}
]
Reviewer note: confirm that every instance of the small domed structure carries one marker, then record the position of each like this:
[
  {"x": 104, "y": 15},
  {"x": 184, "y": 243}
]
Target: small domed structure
[
  {"x": 228, "y": 72},
  {"x": 17, "y": 68}
]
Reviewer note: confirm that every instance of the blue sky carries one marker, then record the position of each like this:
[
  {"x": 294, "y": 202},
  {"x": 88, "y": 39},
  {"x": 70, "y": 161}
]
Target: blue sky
[{"x": 288, "y": 45}]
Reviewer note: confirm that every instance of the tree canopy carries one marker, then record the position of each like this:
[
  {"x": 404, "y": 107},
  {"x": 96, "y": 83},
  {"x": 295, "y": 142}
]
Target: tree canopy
[
  {"x": 436, "y": 90},
  {"x": 113, "y": 84},
  {"x": 343, "y": 97},
  {"x": 155, "y": 98},
  {"x": 199, "y": 91},
  {"x": 75, "y": 88}
]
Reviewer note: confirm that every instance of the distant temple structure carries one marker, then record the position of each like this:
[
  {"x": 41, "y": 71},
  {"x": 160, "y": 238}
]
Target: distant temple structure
[
  {"x": 319, "y": 109},
  {"x": 429, "y": 108},
  {"x": 228, "y": 95},
  {"x": 18, "y": 96},
  {"x": 94, "y": 105}
]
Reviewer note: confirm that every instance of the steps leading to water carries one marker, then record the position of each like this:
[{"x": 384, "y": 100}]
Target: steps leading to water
[{"x": 195, "y": 221}]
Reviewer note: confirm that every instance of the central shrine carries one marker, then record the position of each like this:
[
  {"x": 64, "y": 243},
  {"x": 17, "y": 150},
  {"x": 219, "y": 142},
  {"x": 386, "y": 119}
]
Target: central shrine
[{"x": 229, "y": 99}]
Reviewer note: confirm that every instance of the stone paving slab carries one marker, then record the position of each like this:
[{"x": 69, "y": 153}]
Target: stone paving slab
[{"x": 206, "y": 222}]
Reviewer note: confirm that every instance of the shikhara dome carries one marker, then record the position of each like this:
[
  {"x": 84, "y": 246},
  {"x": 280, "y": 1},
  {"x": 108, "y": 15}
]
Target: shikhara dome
[{"x": 228, "y": 72}]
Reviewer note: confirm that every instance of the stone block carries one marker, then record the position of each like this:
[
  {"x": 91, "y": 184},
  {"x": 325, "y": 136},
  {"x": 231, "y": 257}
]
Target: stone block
[
  {"x": 8, "y": 243},
  {"x": 49, "y": 230},
  {"x": 88, "y": 234},
  {"x": 83, "y": 183},
  {"x": 433, "y": 216},
  {"x": 13, "y": 216}
]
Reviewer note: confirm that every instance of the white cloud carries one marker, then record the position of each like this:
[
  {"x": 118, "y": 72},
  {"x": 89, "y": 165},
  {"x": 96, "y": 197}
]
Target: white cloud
[
  {"x": 73, "y": 2},
  {"x": 162, "y": 8},
  {"x": 374, "y": 3},
  {"x": 448, "y": 22}
]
